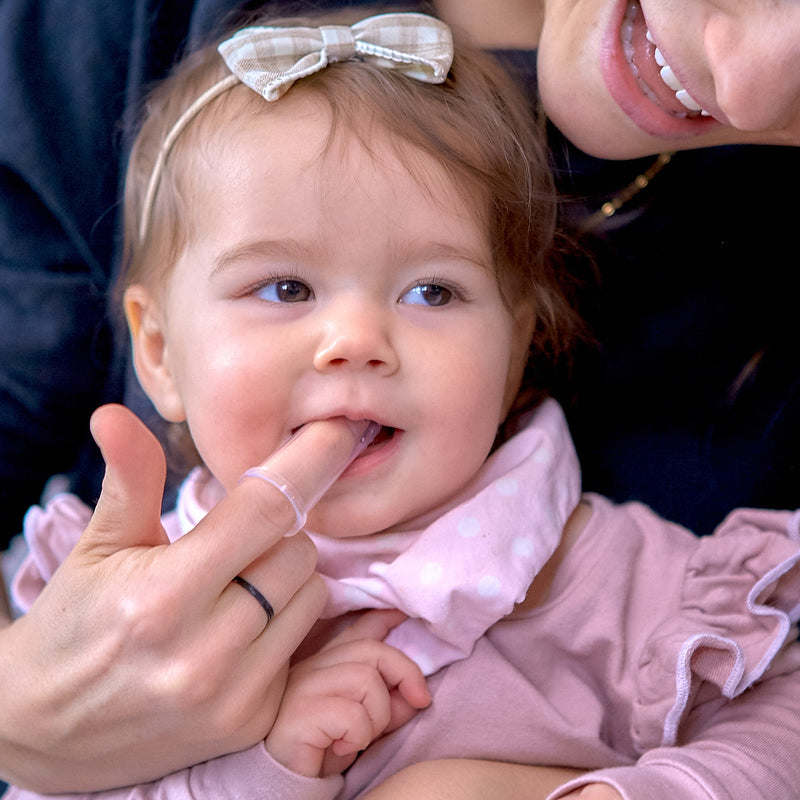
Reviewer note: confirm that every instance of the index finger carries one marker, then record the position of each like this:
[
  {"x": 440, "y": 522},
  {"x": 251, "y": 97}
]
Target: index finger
[{"x": 257, "y": 513}]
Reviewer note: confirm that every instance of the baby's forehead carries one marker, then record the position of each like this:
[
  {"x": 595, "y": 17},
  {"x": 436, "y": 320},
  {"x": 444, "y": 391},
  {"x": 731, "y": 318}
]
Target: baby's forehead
[{"x": 303, "y": 132}]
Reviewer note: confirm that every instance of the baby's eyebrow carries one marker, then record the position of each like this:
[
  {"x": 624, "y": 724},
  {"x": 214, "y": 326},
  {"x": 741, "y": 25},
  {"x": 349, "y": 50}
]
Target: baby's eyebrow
[
  {"x": 293, "y": 250},
  {"x": 285, "y": 249},
  {"x": 443, "y": 251}
]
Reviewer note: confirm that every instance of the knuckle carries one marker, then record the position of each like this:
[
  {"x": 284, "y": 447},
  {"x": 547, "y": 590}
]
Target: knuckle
[
  {"x": 304, "y": 552},
  {"x": 185, "y": 686},
  {"x": 365, "y": 676},
  {"x": 270, "y": 504},
  {"x": 141, "y": 617},
  {"x": 141, "y": 620},
  {"x": 370, "y": 650},
  {"x": 318, "y": 590}
]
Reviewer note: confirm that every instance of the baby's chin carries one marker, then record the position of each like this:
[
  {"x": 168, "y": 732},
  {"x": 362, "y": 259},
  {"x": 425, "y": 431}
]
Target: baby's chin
[
  {"x": 342, "y": 529},
  {"x": 352, "y": 523},
  {"x": 344, "y": 521}
]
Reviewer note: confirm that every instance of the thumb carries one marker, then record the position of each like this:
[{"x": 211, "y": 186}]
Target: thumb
[{"x": 128, "y": 512}]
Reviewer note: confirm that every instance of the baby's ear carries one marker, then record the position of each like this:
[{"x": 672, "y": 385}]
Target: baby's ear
[{"x": 151, "y": 352}]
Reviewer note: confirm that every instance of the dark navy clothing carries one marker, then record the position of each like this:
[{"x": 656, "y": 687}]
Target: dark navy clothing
[
  {"x": 690, "y": 403},
  {"x": 62, "y": 92}
]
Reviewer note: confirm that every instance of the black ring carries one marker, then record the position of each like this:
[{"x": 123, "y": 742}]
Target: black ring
[{"x": 262, "y": 601}]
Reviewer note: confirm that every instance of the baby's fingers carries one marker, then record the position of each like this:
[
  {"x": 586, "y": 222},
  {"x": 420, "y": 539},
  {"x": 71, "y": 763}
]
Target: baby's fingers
[
  {"x": 399, "y": 673},
  {"x": 401, "y": 711},
  {"x": 320, "y": 726},
  {"x": 339, "y": 709},
  {"x": 374, "y": 624},
  {"x": 356, "y": 684}
]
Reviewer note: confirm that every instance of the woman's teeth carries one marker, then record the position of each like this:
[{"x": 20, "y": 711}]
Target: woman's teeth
[
  {"x": 648, "y": 65},
  {"x": 668, "y": 76}
]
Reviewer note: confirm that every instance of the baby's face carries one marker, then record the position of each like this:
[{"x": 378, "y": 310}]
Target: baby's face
[{"x": 351, "y": 285}]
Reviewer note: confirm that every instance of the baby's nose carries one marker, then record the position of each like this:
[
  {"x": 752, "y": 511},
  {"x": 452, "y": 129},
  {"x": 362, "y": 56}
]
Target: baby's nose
[{"x": 356, "y": 338}]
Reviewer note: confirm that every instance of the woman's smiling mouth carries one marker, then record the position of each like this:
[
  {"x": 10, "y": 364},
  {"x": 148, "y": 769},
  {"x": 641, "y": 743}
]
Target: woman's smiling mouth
[
  {"x": 643, "y": 84},
  {"x": 651, "y": 70}
]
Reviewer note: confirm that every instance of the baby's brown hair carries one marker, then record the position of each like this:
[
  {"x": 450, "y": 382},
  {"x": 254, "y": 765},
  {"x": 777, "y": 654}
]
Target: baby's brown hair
[{"x": 477, "y": 125}]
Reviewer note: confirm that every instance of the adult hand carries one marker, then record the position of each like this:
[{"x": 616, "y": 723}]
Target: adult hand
[{"x": 141, "y": 657}]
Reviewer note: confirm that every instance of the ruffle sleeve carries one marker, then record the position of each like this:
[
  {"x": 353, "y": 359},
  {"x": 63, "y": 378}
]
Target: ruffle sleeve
[
  {"x": 50, "y": 534},
  {"x": 52, "y": 531},
  {"x": 251, "y": 774},
  {"x": 739, "y": 604}
]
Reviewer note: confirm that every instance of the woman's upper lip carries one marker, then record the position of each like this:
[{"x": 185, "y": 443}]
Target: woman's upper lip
[
  {"x": 670, "y": 74},
  {"x": 632, "y": 76}
]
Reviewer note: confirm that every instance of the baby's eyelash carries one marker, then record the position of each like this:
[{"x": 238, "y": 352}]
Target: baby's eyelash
[
  {"x": 458, "y": 291},
  {"x": 271, "y": 279}
]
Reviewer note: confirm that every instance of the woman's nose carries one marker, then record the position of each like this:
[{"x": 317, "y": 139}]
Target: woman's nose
[
  {"x": 754, "y": 58},
  {"x": 356, "y": 338}
]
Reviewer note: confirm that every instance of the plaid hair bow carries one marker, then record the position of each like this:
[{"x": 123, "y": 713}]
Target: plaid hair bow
[{"x": 269, "y": 60}]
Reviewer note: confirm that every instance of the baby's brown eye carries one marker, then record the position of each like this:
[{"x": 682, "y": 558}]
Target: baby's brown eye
[
  {"x": 285, "y": 290},
  {"x": 428, "y": 294}
]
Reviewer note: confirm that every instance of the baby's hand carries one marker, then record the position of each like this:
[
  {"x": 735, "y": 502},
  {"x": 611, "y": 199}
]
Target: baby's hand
[{"x": 342, "y": 698}]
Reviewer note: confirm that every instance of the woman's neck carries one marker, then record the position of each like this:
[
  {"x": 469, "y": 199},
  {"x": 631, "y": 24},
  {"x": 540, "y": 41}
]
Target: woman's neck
[{"x": 501, "y": 24}]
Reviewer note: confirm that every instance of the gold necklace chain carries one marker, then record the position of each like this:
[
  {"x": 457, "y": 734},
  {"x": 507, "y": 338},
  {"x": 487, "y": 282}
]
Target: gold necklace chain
[{"x": 640, "y": 182}]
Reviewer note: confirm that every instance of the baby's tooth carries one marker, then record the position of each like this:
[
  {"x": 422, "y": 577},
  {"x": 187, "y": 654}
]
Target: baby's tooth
[
  {"x": 649, "y": 37},
  {"x": 659, "y": 57},
  {"x": 668, "y": 76}
]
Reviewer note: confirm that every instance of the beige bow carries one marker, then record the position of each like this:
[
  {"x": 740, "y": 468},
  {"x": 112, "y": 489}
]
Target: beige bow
[{"x": 269, "y": 60}]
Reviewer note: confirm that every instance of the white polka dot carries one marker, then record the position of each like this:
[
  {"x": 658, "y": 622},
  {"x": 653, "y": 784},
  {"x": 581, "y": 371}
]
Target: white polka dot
[
  {"x": 507, "y": 486},
  {"x": 564, "y": 492},
  {"x": 430, "y": 573},
  {"x": 544, "y": 455},
  {"x": 469, "y": 527},
  {"x": 489, "y": 586},
  {"x": 523, "y": 547}
]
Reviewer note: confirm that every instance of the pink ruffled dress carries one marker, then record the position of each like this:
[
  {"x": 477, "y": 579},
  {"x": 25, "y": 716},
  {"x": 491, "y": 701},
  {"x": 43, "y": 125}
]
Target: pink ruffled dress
[{"x": 665, "y": 664}]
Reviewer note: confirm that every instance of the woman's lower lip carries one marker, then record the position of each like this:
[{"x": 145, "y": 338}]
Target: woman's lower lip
[
  {"x": 629, "y": 95},
  {"x": 374, "y": 456}
]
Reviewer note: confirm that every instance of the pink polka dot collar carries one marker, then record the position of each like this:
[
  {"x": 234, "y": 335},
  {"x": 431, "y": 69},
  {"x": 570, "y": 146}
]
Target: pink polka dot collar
[{"x": 467, "y": 569}]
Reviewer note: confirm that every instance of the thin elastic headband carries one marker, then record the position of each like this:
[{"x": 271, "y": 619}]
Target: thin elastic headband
[{"x": 269, "y": 60}]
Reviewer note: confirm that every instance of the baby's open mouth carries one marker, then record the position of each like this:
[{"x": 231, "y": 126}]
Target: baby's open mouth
[{"x": 383, "y": 435}]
